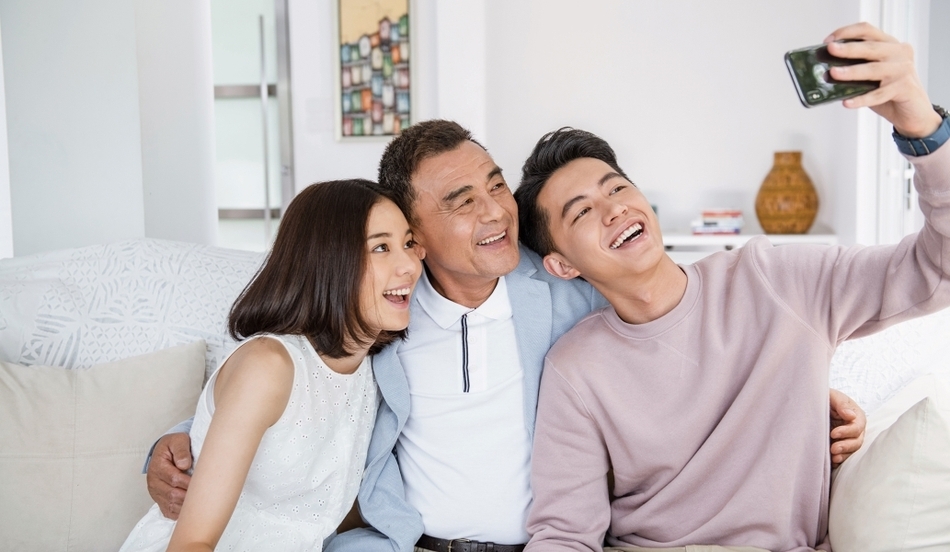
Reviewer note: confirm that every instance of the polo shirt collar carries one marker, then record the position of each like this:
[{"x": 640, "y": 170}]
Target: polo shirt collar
[{"x": 446, "y": 313}]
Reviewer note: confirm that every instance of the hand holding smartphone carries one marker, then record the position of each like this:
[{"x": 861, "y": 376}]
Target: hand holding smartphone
[{"x": 810, "y": 71}]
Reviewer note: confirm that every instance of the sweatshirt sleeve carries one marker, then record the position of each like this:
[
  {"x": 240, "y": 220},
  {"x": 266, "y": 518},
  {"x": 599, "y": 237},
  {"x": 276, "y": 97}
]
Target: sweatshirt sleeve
[
  {"x": 849, "y": 292},
  {"x": 571, "y": 507}
]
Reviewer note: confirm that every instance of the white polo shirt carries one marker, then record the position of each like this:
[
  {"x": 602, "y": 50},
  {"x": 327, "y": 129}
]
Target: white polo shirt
[{"x": 465, "y": 452}]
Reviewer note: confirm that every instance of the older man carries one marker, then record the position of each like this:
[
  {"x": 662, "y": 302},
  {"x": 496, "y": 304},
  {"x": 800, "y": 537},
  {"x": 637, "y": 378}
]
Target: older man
[{"x": 449, "y": 462}]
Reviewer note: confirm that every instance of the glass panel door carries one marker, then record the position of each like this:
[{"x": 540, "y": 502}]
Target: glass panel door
[{"x": 245, "y": 38}]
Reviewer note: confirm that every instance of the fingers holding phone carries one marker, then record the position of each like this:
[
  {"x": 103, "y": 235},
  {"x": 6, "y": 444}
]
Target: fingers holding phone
[
  {"x": 899, "y": 97},
  {"x": 811, "y": 71}
]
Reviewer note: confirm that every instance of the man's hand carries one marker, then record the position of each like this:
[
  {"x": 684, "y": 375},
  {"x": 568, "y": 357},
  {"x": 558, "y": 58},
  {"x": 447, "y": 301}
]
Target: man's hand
[
  {"x": 848, "y": 423},
  {"x": 901, "y": 98},
  {"x": 166, "y": 477}
]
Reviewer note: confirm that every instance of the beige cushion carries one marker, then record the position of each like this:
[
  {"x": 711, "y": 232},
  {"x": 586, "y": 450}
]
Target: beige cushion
[
  {"x": 73, "y": 442},
  {"x": 894, "y": 494}
]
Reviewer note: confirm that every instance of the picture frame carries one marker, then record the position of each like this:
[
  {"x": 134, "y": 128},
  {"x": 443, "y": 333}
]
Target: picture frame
[{"x": 373, "y": 68}]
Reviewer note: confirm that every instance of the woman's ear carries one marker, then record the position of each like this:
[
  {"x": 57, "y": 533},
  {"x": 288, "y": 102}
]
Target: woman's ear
[
  {"x": 420, "y": 250},
  {"x": 558, "y": 266}
]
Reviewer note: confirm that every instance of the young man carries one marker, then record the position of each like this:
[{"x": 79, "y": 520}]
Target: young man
[
  {"x": 450, "y": 456},
  {"x": 704, "y": 387}
]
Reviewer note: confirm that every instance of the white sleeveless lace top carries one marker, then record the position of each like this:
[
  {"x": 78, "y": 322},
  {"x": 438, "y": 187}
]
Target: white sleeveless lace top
[{"x": 308, "y": 467}]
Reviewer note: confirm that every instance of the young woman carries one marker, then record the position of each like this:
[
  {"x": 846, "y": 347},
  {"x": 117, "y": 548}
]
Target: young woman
[{"x": 282, "y": 427}]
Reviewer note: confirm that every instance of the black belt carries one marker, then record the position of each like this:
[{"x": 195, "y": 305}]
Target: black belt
[{"x": 465, "y": 545}]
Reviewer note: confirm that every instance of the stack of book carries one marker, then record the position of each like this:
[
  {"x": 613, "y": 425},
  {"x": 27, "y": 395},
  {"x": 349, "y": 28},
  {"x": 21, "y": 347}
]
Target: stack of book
[{"x": 718, "y": 221}]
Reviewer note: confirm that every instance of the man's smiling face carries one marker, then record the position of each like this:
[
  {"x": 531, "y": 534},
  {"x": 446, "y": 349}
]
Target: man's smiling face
[
  {"x": 603, "y": 228},
  {"x": 465, "y": 218}
]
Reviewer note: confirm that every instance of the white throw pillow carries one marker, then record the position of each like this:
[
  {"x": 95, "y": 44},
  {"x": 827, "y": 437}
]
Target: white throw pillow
[
  {"x": 73, "y": 442},
  {"x": 894, "y": 494},
  {"x": 81, "y": 307}
]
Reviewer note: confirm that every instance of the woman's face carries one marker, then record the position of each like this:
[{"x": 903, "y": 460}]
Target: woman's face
[{"x": 392, "y": 270}]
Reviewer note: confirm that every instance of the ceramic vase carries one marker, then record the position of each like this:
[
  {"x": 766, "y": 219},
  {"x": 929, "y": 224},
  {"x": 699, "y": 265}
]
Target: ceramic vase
[{"x": 787, "y": 201}]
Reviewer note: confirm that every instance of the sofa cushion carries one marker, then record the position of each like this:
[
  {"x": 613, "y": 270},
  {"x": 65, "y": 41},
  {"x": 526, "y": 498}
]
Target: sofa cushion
[
  {"x": 894, "y": 494},
  {"x": 73, "y": 442},
  {"x": 81, "y": 307},
  {"x": 874, "y": 368}
]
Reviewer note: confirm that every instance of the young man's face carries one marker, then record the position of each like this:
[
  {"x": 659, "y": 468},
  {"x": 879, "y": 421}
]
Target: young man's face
[
  {"x": 466, "y": 217},
  {"x": 602, "y": 226}
]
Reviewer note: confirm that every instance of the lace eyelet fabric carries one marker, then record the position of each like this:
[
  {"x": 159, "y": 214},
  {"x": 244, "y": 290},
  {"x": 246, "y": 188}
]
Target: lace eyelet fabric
[{"x": 307, "y": 470}]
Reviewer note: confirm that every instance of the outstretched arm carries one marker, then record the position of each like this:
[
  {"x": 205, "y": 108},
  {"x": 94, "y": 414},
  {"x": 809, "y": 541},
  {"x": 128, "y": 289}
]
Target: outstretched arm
[
  {"x": 250, "y": 394},
  {"x": 861, "y": 290}
]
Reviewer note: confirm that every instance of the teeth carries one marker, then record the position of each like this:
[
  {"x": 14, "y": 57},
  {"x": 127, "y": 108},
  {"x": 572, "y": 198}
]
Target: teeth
[
  {"x": 493, "y": 239},
  {"x": 626, "y": 234},
  {"x": 403, "y": 291}
]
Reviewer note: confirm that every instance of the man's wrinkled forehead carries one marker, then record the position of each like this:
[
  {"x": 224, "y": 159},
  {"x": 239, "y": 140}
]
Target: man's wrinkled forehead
[{"x": 468, "y": 162}]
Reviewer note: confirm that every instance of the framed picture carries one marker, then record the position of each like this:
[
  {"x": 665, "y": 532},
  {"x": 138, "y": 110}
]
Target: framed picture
[{"x": 374, "y": 72}]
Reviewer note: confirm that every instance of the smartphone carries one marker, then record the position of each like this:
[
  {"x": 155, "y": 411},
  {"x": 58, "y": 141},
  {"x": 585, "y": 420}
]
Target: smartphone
[{"x": 810, "y": 71}]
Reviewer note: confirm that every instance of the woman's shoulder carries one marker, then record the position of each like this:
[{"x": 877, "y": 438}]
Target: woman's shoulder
[
  {"x": 267, "y": 353},
  {"x": 262, "y": 367}
]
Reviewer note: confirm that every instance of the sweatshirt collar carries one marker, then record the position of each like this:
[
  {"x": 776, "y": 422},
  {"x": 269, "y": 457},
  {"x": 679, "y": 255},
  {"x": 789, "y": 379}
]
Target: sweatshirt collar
[{"x": 694, "y": 283}]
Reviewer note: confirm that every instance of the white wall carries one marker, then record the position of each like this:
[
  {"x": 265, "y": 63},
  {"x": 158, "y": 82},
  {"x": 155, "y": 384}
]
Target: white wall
[
  {"x": 695, "y": 110},
  {"x": 109, "y": 121},
  {"x": 463, "y": 30},
  {"x": 72, "y": 109},
  {"x": 176, "y": 109},
  {"x": 6, "y": 211},
  {"x": 694, "y": 96},
  {"x": 938, "y": 84},
  {"x": 632, "y": 72}
]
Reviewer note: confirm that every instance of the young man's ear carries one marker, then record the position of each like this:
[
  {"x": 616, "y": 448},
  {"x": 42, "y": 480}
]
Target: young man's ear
[{"x": 556, "y": 265}]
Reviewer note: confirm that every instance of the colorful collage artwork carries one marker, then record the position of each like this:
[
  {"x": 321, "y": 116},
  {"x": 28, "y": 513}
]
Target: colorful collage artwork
[{"x": 374, "y": 67}]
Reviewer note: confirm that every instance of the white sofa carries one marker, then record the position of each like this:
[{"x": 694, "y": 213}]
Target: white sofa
[{"x": 134, "y": 328}]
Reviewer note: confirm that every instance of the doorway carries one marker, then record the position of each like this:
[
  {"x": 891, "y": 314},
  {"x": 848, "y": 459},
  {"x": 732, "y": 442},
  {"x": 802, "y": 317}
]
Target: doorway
[{"x": 253, "y": 135}]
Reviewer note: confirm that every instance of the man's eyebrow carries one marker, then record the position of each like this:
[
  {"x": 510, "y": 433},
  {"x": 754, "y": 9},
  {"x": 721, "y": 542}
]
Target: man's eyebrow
[
  {"x": 451, "y": 196},
  {"x": 569, "y": 204},
  {"x": 454, "y": 194},
  {"x": 603, "y": 180},
  {"x": 607, "y": 177}
]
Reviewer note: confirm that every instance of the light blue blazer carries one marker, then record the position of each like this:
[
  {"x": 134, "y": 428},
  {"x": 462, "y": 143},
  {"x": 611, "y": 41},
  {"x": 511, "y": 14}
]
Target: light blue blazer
[{"x": 543, "y": 307}]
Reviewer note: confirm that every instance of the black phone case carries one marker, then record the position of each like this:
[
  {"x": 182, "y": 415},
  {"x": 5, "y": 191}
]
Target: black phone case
[{"x": 809, "y": 68}]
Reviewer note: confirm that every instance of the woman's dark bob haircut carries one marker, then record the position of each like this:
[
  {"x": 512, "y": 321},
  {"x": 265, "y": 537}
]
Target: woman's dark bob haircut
[{"x": 310, "y": 281}]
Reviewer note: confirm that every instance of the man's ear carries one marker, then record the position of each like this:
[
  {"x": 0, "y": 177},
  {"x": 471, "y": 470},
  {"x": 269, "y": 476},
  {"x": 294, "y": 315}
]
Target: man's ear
[{"x": 557, "y": 265}]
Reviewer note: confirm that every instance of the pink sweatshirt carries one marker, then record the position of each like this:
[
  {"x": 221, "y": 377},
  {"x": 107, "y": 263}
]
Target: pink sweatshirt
[{"x": 715, "y": 416}]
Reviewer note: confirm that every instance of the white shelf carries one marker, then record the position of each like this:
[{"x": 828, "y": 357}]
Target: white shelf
[
  {"x": 684, "y": 240},
  {"x": 685, "y": 247}
]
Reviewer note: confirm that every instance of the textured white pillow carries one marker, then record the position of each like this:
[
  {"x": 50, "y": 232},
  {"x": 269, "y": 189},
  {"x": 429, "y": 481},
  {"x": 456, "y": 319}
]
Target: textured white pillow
[
  {"x": 73, "y": 442},
  {"x": 874, "y": 368},
  {"x": 894, "y": 494},
  {"x": 82, "y": 307}
]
